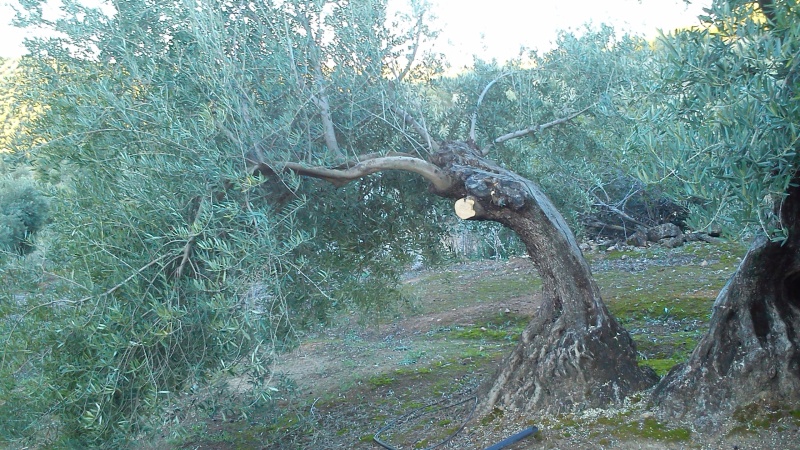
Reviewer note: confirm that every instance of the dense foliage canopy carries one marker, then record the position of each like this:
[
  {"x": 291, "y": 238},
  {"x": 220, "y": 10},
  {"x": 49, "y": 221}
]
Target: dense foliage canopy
[
  {"x": 169, "y": 264},
  {"x": 722, "y": 119}
]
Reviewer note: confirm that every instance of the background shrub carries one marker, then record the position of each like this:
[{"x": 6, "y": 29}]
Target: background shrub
[{"x": 23, "y": 211}]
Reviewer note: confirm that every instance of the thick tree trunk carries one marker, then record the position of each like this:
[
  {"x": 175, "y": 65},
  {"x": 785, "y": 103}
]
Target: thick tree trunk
[
  {"x": 573, "y": 355},
  {"x": 751, "y": 353}
]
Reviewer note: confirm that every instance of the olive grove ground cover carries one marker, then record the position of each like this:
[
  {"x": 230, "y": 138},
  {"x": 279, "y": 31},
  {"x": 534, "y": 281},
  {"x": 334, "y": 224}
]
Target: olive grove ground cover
[{"x": 348, "y": 381}]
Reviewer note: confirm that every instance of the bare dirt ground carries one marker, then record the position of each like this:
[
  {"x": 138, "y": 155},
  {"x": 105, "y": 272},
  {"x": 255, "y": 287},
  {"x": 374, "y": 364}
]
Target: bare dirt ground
[
  {"x": 317, "y": 365},
  {"x": 417, "y": 373}
]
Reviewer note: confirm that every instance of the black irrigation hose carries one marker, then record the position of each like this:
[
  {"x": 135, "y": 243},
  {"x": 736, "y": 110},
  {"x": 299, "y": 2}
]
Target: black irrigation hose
[
  {"x": 513, "y": 439},
  {"x": 499, "y": 446},
  {"x": 391, "y": 424}
]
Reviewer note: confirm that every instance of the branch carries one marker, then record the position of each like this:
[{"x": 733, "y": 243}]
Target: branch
[
  {"x": 320, "y": 98},
  {"x": 619, "y": 212},
  {"x": 418, "y": 127},
  {"x": 413, "y": 56},
  {"x": 539, "y": 128},
  {"x": 367, "y": 157},
  {"x": 341, "y": 177},
  {"x": 324, "y": 106},
  {"x": 478, "y": 105}
]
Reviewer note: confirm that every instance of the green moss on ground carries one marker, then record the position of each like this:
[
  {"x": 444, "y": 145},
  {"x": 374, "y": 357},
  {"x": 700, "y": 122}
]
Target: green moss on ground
[
  {"x": 502, "y": 327},
  {"x": 661, "y": 366},
  {"x": 652, "y": 429},
  {"x": 756, "y": 416}
]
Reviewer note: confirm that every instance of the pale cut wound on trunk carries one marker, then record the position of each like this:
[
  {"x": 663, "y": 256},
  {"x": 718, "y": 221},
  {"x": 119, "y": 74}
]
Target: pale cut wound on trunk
[{"x": 468, "y": 208}]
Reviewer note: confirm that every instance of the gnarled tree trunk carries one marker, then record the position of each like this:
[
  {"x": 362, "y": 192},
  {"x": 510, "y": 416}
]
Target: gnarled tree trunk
[
  {"x": 751, "y": 353},
  {"x": 573, "y": 355}
]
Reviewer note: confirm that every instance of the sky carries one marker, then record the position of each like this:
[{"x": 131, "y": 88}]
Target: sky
[{"x": 499, "y": 28}]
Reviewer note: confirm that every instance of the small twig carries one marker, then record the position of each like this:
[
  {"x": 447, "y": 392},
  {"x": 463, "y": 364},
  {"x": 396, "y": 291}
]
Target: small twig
[
  {"x": 187, "y": 251},
  {"x": 126, "y": 280},
  {"x": 617, "y": 211}
]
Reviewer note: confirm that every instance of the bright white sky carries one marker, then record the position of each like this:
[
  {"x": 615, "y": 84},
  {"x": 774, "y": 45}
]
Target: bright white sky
[{"x": 498, "y": 28}]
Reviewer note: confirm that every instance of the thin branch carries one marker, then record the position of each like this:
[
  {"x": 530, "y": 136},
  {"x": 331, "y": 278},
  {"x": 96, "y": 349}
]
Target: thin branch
[
  {"x": 126, "y": 280},
  {"x": 474, "y": 120},
  {"x": 73, "y": 302},
  {"x": 185, "y": 255},
  {"x": 320, "y": 98},
  {"x": 340, "y": 177},
  {"x": 410, "y": 63},
  {"x": 618, "y": 212},
  {"x": 400, "y": 128},
  {"x": 418, "y": 127},
  {"x": 539, "y": 128}
]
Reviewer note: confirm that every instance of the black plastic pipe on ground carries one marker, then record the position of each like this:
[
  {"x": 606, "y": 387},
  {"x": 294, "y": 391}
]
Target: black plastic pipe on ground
[{"x": 513, "y": 439}]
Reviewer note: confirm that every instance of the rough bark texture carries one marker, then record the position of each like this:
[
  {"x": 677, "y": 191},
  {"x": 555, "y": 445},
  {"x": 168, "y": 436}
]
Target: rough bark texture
[
  {"x": 573, "y": 355},
  {"x": 751, "y": 353}
]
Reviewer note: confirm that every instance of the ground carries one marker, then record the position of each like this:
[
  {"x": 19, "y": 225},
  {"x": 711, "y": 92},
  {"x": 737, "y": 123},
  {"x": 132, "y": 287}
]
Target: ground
[{"x": 412, "y": 372}]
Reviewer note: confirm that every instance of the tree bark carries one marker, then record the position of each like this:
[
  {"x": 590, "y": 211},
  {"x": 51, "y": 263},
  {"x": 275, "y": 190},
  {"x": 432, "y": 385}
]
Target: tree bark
[
  {"x": 751, "y": 354},
  {"x": 573, "y": 355}
]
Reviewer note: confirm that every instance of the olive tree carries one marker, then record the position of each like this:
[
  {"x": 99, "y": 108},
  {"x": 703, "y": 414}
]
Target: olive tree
[
  {"x": 724, "y": 124},
  {"x": 177, "y": 132},
  {"x": 171, "y": 268},
  {"x": 573, "y": 355}
]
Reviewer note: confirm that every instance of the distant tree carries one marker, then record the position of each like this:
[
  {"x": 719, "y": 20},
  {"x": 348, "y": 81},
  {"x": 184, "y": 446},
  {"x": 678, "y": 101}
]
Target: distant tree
[
  {"x": 725, "y": 124},
  {"x": 23, "y": 207},
  {"x": 23, "y": 212}
]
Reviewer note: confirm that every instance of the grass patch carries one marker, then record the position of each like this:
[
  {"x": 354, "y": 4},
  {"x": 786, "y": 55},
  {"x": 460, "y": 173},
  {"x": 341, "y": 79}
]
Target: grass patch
[
  {"x": 663, "y": 350},
  {"x": 381, "y": 380},
  {"x": 661, "y": 366},
  {"x": 241, "y": 434},
  {"x": 666, "y": 305},
  {"x": 652, "y": 429},
  {"x": 501, "y": 288},
  {"x": 622, "y": 254},
  {"x": 633, "y": 308},
  {"x": 755, "y": 417},
  {"x": 446, "y": 290},
  {"x": 502, "y": 327}
]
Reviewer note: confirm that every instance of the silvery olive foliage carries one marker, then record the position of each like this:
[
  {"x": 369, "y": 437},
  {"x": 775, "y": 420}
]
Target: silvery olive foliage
[
  {"x": 172, "y": 269},
  {"x": 721, "y": 119}
]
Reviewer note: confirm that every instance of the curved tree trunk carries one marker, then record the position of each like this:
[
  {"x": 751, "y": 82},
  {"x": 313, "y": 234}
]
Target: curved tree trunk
[
  {"x": 751, "y": 353},
  {"x": 573, "y": 355}
]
